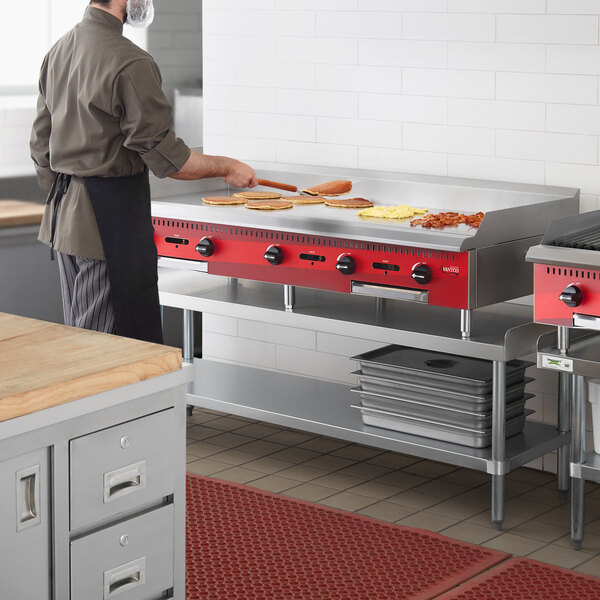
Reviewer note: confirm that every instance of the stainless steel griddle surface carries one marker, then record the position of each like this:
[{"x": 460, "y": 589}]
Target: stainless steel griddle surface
[{"x": 511, "y": 211}]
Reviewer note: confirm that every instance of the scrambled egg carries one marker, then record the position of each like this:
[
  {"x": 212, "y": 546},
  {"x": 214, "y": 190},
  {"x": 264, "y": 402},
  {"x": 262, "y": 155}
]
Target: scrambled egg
[{"x": 392, "y": 212}]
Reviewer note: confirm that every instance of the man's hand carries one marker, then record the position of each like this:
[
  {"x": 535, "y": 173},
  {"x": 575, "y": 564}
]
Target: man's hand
[{"x": 241, "y": 175}]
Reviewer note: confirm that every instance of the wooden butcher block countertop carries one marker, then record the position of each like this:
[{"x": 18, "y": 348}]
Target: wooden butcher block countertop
[
  {"x": 14, "y": 213},
  {"x": 44, "y": 364}
]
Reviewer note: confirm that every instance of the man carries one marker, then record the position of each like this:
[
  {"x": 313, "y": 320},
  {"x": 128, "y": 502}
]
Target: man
[{"x": 102, "y": 122}]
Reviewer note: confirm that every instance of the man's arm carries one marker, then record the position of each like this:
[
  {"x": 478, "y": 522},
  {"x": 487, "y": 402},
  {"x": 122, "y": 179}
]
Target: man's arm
[{"x": 199, "y": 166}]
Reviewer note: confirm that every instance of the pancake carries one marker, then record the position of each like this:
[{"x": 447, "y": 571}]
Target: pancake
[
  {"x": 268, "y": 204},
  {"x": 330, "y": 188},
  {"x": 348, "y": 202},
  {"x": 258, "y": 195},
  {"x": 304, "y": 199},
  {"x": 223, "y": 200}
]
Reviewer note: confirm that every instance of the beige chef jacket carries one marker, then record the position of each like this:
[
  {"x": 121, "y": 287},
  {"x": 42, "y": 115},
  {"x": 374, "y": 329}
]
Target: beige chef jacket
[{"x": 101, "y": 113}]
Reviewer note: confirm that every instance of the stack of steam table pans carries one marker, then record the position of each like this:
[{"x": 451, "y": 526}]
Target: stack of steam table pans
[{"x": 436, "y": 395}]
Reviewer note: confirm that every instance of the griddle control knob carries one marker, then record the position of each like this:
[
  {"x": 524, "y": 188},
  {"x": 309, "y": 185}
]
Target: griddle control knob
[
  {"x": 421, "y": 274},
  {"x": 571, "y": 296},
  {"x": 346, "y": 264},
  {"x": 274, "y": 255},
  {"x": 206, "y": 247}
]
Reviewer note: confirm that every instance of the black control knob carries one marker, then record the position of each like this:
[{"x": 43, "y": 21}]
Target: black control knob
[
  {"x": 421, "y": 274},
  {"x": 274, "y": 255},
  {"x": 571, "y": 296},
  {"x": 206, "y": 247},
  {"x": 346, "y": 264}
]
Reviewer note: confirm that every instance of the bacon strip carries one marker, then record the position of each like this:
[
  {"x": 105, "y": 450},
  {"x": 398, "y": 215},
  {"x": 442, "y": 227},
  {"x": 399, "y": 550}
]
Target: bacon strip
[{"x": 448, "y": 219}]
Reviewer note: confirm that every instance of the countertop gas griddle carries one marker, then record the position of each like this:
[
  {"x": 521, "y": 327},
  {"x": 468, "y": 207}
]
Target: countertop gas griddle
[{"x": 334, "y": 249}]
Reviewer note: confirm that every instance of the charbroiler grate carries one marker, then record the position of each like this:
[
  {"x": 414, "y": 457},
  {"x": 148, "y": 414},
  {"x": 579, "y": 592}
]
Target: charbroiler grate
[{"x": 586, "y": 240}]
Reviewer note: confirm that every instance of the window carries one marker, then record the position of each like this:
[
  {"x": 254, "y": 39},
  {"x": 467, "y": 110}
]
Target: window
[{"x": 27, "y": 30}]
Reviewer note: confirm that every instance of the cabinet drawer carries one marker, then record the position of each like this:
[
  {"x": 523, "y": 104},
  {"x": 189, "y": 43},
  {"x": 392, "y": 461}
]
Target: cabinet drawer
[
  {"x": 129, "y": 561},
  {"x": 121, "y": 468}
]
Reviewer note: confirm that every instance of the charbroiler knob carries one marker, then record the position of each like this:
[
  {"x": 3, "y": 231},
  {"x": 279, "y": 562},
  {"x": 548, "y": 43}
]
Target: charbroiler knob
[
  {"x": 421, "y": 274},
  {"x": 274, "y": 255},
  {"x": 206, "y": 247},
  {"x": 571, "y": 296},
  {"x": 346, "y": 264}
]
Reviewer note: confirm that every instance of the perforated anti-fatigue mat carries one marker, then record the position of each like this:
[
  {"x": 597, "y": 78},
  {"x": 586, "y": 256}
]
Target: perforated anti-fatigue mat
[
  {"x": 246, "y": 544},
  {"x": 526, "y": 579}
]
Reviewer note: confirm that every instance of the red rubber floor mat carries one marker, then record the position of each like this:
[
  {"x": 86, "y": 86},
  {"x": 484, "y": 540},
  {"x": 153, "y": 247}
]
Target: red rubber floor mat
[
  {"x": 526, "y": 579},
  {"x": 246, "y": 544}
]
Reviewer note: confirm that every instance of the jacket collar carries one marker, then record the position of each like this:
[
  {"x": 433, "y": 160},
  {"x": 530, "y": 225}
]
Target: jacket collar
[{"x": 97, "y": 15}]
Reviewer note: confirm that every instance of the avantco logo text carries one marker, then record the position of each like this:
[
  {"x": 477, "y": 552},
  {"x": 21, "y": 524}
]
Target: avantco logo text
[{"x": 452, "y": 270}]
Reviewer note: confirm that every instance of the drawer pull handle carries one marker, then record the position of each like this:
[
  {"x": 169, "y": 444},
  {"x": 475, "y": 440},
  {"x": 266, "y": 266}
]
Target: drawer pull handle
[
  {"x": 124, "y": 578},
  {"x": 124, "y": 481},
  {"x": 28, "y": 497}
]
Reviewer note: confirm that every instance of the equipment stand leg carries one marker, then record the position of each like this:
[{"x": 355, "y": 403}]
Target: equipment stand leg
[
  {"x": 578, "y": 457},
  {"x": 188, "y": 346},
  {"x": 565, "y": 383},
  {"x": 289, "y": 297},
  {"x": 465, "y": 323},
  {"x": 498, "y": 442}
]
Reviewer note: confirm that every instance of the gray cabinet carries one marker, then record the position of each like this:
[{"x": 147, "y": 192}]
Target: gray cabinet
[{"x": 25, "y": 521}]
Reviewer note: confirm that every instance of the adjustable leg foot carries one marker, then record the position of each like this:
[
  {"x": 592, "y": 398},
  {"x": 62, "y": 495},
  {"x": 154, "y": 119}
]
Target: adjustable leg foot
[
  {"x": 189, "y": 409},
  {"x": 498, "y": 525}
]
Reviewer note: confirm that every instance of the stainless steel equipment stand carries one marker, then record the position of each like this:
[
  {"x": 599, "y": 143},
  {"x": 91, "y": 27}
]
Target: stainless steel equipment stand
[
  {"x": 188, "y": 347},
  {"x": 565, "y": 385},
  {"x": 578, "y": 457},
  {"x": 325, "y": 408}
]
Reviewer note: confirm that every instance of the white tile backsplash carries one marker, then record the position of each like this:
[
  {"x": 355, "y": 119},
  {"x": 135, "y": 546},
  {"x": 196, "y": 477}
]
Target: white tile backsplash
[{"x": 493, "y": 89}]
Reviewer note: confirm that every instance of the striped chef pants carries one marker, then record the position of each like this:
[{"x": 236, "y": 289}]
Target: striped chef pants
[{"x": 86, "y": 293}]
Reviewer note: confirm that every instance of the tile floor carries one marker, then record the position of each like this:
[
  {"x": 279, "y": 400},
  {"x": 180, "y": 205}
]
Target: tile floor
[{"x": 395, "y": 487}]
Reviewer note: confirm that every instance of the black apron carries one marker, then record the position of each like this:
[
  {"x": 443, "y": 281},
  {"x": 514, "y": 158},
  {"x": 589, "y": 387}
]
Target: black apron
[{"x": 122, "y": 209}]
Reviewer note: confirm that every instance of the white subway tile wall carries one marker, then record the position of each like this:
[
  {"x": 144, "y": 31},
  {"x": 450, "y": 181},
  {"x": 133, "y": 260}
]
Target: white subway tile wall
[{"x": 494, "y": 89}]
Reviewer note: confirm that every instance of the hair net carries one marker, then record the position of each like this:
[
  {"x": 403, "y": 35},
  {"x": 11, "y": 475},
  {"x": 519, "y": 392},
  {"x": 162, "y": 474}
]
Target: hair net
[{"x": 140, "y": 13}]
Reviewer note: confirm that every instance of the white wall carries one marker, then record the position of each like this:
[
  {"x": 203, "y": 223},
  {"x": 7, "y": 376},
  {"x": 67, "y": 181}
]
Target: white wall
[{"x": 496, "y": 89}]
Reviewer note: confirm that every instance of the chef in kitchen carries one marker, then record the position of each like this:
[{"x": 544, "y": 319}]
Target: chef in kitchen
[{"x": 102, "y": 122}]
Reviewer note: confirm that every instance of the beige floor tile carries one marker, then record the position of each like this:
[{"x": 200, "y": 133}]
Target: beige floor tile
[
  {"x": 274, "y": 483},
  {"x": 261, "y": 447},
  {"x": 372, "y": 489},
  {"x": 556, "y": 516},
  {"x": 414, "y": 499},
  {"x": 402, "y": 480},
  {"x": 469, "y": 532},
  {"x": 258, "y": 430},
  {"x": 203, "y": 449},
  {"x": 590, "y": 567},
  {"x": 268, "y": 465},
  {"x": 515, "y": 544},
  {"x": 427, "y": 520},
  {"x": 209, "y": 411},
  {"x": 348, "y": 501},
  {"x": 238, "y": 475},
  {"x": 484, "y": 519},
  {"x": 295, "y": 455},
  {"x": 302, "y": 473},
  {"x": 513, "y": 489},
  {"x": 229, "y": 440},
  {"x": 227, "y": 424},
  {"x": 467, "y": 477},
  {"x": 442, "y": 489},
  {"x": 593, "y": 527},
  {"x": 546, "y": 496},
  {"x": 518, "y": 506},
  {"x": 355, "y": 452},
  {"x": 560, "y": 556},
  {"x": 365, "y": 470},
  {"x": 327, "y": 462},
  {"x": 457, "y": 510},
  {"x": 393, "y": 460},
  {"x": 337, "y": 481},
  {"x": 200, "y": 418},
  {"x": 531, "y": 476},
  {"x": 476, "y": 497},
  {"x": 429, "y": 468},
  {"x": 234, "y": 457},
  {"x": 205, "y": 466},
  {"x": 323, "y": 445},
  {"x": 310, "y": 492},
  {"x": 190, "y": 458},
  {"x": 289, "y": 437},
  {"x": 538, "y": 530},
  {"x": 386, "y": 511},
  {"x": 200, "y": 432},
  {"x": 591, "y": 542}
]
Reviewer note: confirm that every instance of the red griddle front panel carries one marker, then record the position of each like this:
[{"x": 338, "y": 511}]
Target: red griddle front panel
[
  {"x": 310, "y": 261},
  {"x": 549, "y": 283}
]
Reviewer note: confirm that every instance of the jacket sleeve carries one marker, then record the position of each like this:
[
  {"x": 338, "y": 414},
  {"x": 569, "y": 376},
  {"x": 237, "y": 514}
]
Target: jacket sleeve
[
  {"x": 146, "y": 118},
  {"x": 39, "y": 143}
]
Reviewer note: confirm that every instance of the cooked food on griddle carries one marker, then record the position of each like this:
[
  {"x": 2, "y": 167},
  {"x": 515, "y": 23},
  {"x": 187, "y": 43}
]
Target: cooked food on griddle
[
  {"x": 330, "y": 188},
  {"x": 223, "y": 200},
  {"x": 258, "y": 195},
  {"x": 448, "y": 219},
  {"x": 348, "y": 202},
  {"x": 268, "y": 204},
  {"x": 305, "y": 199},
  {"x": 401, "y": 211}
]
